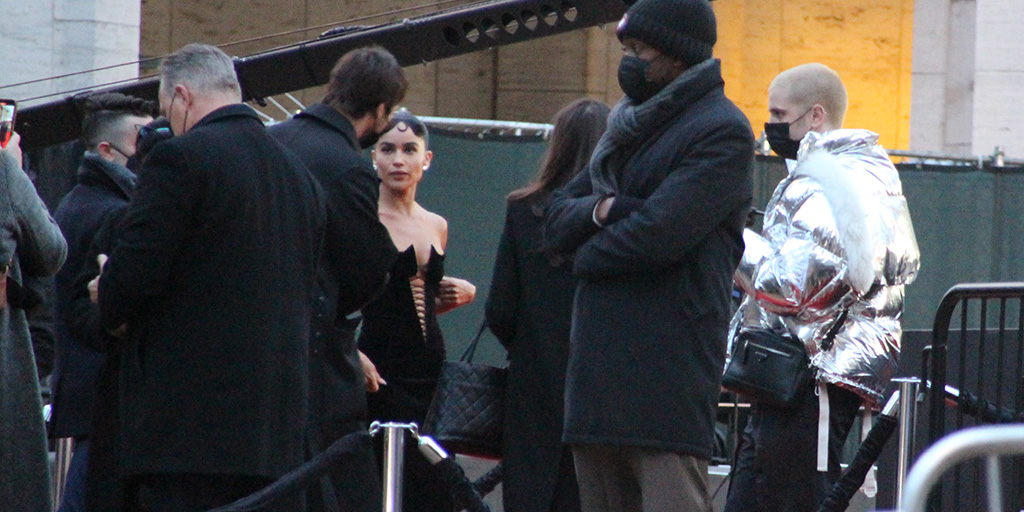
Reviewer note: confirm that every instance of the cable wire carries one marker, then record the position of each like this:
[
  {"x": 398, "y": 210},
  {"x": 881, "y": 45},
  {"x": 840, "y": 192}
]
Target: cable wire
[{"x": 225, "y": 45}]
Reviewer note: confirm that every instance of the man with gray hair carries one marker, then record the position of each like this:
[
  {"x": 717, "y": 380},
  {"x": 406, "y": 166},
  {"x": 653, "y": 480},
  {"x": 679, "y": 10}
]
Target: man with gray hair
[{"x": 210, "y": 287}]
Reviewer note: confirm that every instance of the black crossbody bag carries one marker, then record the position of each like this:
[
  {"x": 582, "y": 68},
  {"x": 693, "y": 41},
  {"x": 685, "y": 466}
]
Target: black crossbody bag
[{"x": 770, "y": 368}]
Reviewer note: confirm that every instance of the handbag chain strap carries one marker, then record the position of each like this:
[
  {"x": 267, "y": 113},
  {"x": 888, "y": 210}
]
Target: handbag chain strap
[
  {"x": 467, "y": 356},
  {"x": 830, "y": 336}
]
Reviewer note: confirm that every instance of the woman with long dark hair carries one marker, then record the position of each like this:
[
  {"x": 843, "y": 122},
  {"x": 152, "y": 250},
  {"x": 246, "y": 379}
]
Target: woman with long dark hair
[{"x": 529, "y": 309}]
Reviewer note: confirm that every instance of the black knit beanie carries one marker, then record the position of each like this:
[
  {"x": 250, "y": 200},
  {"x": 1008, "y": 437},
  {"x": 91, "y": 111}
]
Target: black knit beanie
[{"x": 682, "y": 29}]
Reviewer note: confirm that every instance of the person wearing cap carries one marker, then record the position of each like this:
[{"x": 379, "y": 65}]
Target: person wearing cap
[
  {"x": 655, "y": 228},
  {"x": 829, "y": 270}
]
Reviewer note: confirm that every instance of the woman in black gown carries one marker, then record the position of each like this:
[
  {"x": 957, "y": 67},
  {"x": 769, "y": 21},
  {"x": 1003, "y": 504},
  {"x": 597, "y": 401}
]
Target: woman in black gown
[
  {"x": 529, "y": 309},
  {"x": 401, "y": 343}
]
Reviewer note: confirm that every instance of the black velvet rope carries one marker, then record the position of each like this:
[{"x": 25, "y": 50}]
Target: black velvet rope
[
  {"x": 985, "y": 410},
  {"x": 851, "y": 480},
  {"x": 300, "y": 477},
  {"x": 468, "y": 495}
]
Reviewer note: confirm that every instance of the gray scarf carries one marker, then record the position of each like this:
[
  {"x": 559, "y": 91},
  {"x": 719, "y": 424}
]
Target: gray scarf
[{"x": 631, "y": 124}]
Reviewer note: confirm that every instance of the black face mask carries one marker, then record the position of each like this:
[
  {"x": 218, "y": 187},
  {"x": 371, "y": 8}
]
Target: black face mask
[
  {"x": 367, "y": 141},
  {"x": 633, "y": 79},
  {"x": 779, "y": 139},
  {"x": 134, "y": 163}
]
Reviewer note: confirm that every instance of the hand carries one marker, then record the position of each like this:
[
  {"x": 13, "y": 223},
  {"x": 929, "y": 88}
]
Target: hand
[
  {"x": 94, "y": 285},
  {"x": 603, "y": 207},
  {"x": 14, "y": 147},
  {"x": 372, "y": 379},
  {"x": 455, "y": 292},
  {"x": 121, "y": 332}
]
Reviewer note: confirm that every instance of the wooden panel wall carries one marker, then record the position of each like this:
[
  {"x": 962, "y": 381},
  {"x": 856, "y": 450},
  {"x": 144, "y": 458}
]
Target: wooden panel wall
[{"x": 867, "y": 41}]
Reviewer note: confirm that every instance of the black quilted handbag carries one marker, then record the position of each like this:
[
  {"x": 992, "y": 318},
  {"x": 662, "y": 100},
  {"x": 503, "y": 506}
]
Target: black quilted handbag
[{"x": 467, "y": 412}]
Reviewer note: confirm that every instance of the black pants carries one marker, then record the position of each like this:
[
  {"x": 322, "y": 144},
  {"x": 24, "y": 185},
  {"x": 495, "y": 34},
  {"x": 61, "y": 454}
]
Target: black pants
[
  {"x": 353, "y": 483},
  {"x": 776, "y": 461},
  {"x": 174, "y": 492}
]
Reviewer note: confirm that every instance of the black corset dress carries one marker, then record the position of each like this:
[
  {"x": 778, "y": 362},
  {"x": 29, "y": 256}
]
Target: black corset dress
[{"x": 401, "y": 336}]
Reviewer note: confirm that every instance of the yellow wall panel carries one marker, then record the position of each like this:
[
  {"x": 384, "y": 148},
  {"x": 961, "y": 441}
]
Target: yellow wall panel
[{"x": 868, "y": 42}]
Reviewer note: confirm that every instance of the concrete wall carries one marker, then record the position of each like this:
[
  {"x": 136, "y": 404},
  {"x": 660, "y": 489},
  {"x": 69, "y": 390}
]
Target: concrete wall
[
  {"x": 967, "y": 75},
  {"x": 45, "y": 38}
]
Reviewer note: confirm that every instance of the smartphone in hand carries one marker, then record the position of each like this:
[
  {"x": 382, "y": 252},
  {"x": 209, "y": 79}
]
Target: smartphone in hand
[{"x": 8, "y": 109}]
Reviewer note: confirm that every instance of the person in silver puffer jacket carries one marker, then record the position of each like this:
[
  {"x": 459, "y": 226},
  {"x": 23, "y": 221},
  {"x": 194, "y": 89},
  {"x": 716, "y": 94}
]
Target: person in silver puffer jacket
[{"x": 837, "y": 238}]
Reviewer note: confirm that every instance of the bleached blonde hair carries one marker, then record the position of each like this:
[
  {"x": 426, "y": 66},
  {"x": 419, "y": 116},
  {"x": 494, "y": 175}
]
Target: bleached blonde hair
[{"x": 812, "y": 83}]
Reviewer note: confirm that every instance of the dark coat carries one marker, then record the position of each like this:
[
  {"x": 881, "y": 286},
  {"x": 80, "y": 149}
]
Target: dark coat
[
  {"x": 652, "y": 308},
  {"x": 213, "y": 274},
  {"x": 357, "y": 257},
  {"x": 529, "y": 309},
  {"x": 31, "y": 241},
  {"x": 103, "y": 486},
  {"x": 102, "y": 187}
]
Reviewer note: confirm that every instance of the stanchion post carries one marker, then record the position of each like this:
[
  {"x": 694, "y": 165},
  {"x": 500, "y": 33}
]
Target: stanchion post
[
  {"x": 65, "y": 448},
  {"x": 394, "y": 459},
  {"x": 908, "y": 388}
]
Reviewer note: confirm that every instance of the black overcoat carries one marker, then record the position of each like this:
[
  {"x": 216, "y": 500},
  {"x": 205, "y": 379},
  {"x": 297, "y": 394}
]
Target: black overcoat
[
  {"x": 529, "y": 309},
  {"x": 652, "y": 308},
  {"x": 102, "y": 188},
  {"x": 214, "y": 274},
  {"x": 356, "y": 260}
]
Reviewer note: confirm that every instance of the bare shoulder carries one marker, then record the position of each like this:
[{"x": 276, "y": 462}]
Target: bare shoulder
[
  {"x": 437, "y": 222},
  {"x": 438, "y": 226}
]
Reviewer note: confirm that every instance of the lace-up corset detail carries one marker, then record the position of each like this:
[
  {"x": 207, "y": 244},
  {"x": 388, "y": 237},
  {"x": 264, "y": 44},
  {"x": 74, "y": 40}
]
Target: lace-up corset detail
[
  {"x": 419, "y": 295},
  {"x": 420, "y": 278}
]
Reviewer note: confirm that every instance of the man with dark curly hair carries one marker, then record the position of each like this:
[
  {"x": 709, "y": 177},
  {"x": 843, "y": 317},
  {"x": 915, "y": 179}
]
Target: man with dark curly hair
[{"x": 365, "y": 86}]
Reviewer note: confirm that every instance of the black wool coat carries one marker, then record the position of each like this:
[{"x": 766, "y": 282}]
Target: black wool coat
[
  {"x": 652, "y": 308},
  {"x": 103, "y": 486},
  {"x": 529, "y": 309},
  {"x": 213, "y": 274},
  {"x": 102, "y": 188},
  {"x": 358, "y": 254}
]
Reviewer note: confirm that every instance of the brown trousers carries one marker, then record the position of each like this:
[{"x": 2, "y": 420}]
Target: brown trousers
[{"x": 631, "y": 479}]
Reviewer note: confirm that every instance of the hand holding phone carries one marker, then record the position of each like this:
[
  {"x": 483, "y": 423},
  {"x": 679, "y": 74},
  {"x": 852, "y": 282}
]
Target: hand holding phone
[{"x": 8, "y": 110}]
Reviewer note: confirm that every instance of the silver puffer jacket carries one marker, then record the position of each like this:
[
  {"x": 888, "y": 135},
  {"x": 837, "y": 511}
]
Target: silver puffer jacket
[{"x": 837, "y": 234}]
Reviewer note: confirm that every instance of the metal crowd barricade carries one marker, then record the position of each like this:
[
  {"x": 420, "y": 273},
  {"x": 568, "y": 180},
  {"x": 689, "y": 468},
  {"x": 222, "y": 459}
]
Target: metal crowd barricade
[
  {"x": 987, "y": 442},
  {"x": 973, "y": 374}
]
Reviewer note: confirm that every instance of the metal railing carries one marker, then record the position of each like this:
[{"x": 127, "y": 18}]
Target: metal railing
[{"x": 988, "y": 442}]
